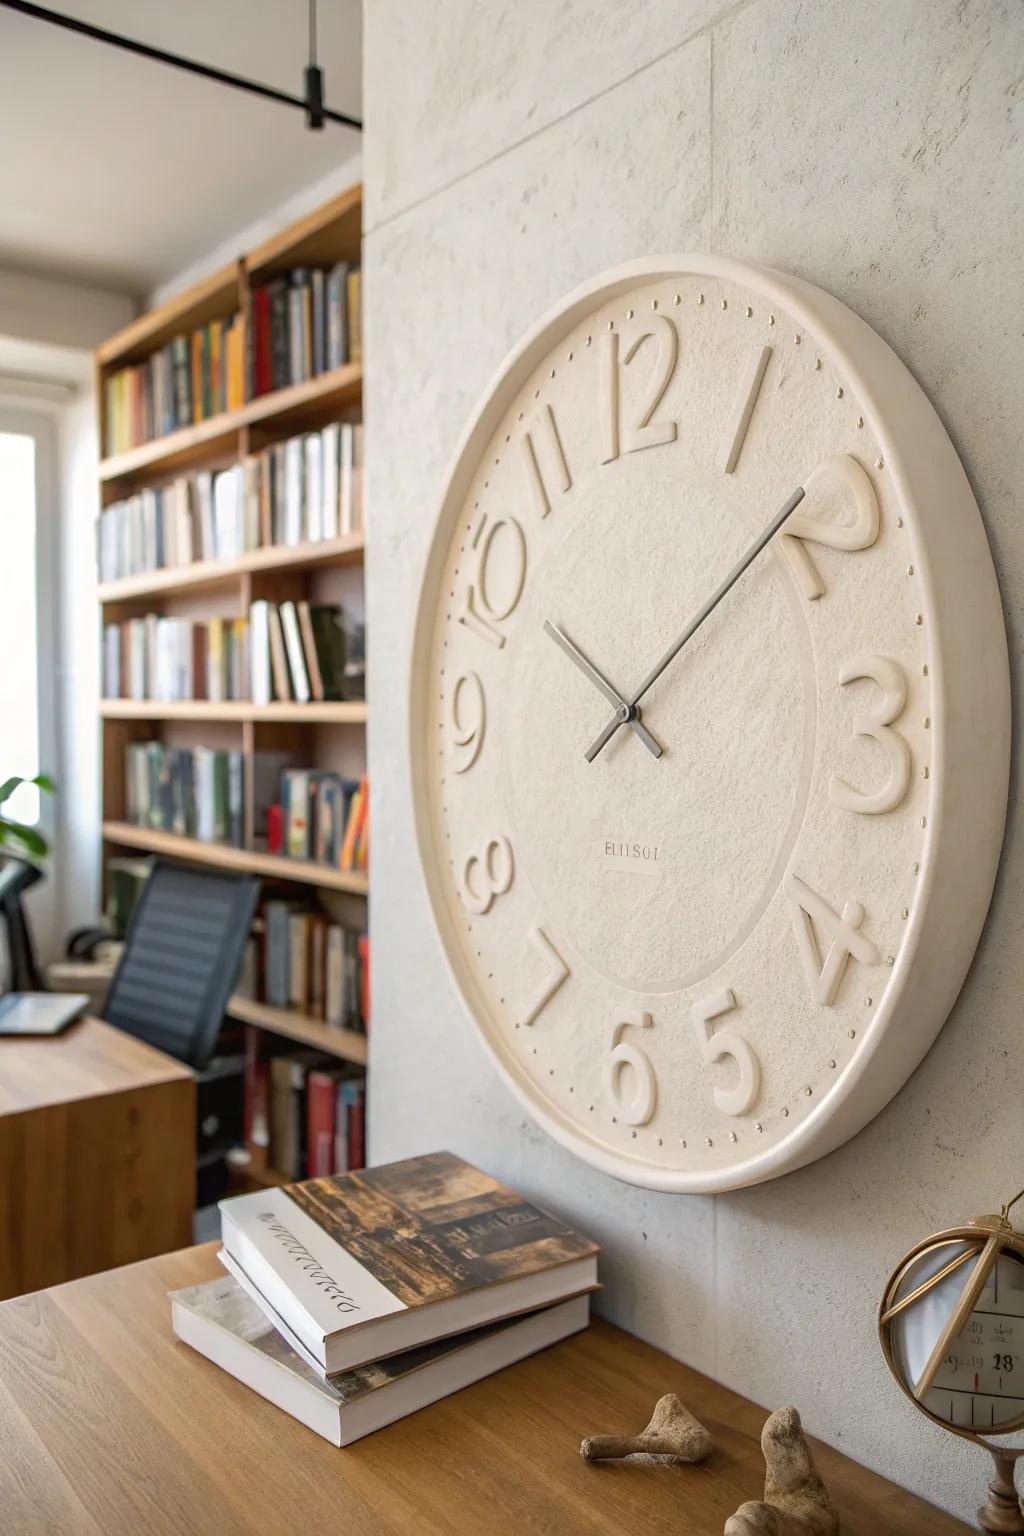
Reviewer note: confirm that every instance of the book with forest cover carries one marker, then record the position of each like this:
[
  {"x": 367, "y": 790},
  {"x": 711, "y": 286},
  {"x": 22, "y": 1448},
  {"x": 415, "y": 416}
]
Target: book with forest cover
[
  {"x": 364, "y": 1265},
  {"x": 222, "y": 1322}
]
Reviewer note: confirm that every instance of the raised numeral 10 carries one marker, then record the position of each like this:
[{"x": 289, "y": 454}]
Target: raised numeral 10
[{"x": 483, "y": 611}]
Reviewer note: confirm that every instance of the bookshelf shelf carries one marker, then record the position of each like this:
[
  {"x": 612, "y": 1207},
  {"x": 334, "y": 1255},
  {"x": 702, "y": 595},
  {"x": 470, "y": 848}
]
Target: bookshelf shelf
[
  {"x": 346, "y": 1044},
  {"x": 291, "y": 408},
  {"x": 347, "y": 550},
  {"x": 223, "y": 856},
  {"x": 332, "y": 713}
]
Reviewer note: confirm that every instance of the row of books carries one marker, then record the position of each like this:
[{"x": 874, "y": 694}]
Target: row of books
[
  {"x": 304, "y": 1111},
  {"x": 323, "y": 817},
  {"x": 430, "y": 1305},
  {"x": 296, "y": 652},
  {"x": 304, "y": 324},
  {"x": 200, "y": 792},
  {"x": 191, "y": 791},
  {"x": 302, "y": 490},
  {"x": 297, "y": 958},
  {"x": 193, "y": 377}
]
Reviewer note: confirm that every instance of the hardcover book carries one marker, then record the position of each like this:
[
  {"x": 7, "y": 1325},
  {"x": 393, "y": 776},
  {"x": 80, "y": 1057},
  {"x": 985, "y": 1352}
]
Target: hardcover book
[
  {"x": 221, "y": 1322},
  {"x": 365, "y": 1265}
]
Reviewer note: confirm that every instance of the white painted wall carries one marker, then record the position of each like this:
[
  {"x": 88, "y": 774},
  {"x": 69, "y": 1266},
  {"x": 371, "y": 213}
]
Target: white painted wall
[{"x": 878, "y": 150}]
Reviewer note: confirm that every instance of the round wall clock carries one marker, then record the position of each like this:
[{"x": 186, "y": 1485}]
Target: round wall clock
[{"x": 710, "y": 722}]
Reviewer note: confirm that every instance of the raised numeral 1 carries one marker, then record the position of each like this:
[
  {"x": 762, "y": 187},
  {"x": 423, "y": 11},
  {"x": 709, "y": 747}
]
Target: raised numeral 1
[
  {"x": 743, "y": 407},
  {"x": 824, "y": 976},
  {"x": 551, "y": 983},
  {"x": 715, "y": 1045},
  {"x": 541, "y": 446},
  {"x": 638, "y": 1107}
]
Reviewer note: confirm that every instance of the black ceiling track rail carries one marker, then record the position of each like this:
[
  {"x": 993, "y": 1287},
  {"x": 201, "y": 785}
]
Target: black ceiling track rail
[{"x": 311, "y": 104}]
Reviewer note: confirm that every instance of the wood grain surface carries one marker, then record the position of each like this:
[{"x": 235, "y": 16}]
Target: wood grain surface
[
  {"x": 97, "y": 1155},
  {"x": 110, "y": 1427}
]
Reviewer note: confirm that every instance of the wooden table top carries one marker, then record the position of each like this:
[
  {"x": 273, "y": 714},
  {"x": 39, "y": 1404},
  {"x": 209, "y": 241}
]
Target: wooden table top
[
  {"x": 109, "y": 1426},
  {"x": 89, "y": 1059}
]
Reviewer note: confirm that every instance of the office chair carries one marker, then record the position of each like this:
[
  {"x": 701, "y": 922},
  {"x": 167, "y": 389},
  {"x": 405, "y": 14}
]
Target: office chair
[
  {"x": 18, "y": 875},
  {"x": 181, "y": 959}
]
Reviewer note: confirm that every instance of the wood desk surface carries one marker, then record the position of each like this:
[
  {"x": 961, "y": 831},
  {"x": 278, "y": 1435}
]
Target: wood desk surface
[
  {"x": 89, "y": 1059},
  {"x": 110, "y": 1427}
]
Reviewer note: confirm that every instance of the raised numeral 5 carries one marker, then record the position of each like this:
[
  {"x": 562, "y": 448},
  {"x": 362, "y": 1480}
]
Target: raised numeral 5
[
  {"x": 890, "y": 678},
  {"x": 626, "y": 1058},
  {"x": 487, "y": 875},
  {"x": 483, "y": 612},
  {"x": 468, "y": 717},
  {"x": 824, "y": 976},
  {"x": 628, "y": 437},
  {"x": 716, "y": 1045},
  {"x": 860, "y": 534}
]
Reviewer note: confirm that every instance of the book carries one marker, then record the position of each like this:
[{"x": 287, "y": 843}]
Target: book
[
  {"x": 365, "y": 1265},
  {"x": 222, "y": 1322}
]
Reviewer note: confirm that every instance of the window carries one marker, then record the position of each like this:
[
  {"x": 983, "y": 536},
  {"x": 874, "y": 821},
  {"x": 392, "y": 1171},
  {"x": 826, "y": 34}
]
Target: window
[{"x": 19, "y": 622}]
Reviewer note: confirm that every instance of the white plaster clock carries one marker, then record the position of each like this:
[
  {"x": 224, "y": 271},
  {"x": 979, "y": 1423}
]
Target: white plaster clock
[{"x": 709, "y": 862}]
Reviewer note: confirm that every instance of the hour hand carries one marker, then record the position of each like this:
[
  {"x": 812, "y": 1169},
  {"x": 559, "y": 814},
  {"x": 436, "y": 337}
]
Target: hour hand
[{"x": 601, "y": 683}]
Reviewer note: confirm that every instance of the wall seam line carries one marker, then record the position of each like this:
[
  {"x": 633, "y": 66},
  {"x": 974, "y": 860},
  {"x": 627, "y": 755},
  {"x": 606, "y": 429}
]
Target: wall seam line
[{"x": 555, "y": 122}]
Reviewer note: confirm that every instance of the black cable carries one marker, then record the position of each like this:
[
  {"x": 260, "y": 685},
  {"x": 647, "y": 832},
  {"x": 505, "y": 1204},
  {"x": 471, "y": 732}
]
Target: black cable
[{"x": 161, "y": 56}]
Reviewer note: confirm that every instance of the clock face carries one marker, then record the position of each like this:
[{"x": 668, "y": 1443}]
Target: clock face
[
  {"x": 977, "y": 1381},
  {"x": 679, "y": 849}
]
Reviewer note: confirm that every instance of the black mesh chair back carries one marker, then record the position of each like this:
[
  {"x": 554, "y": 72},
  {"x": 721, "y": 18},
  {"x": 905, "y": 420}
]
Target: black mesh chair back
[{"x": 181, "y": 959}]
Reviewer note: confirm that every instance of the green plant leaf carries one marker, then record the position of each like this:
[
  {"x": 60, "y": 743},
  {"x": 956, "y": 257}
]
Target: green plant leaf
[
  {"x": 45, "y": 783},
  {"x": 8, "y": 787},
  {"x": 12, "y": 832}
]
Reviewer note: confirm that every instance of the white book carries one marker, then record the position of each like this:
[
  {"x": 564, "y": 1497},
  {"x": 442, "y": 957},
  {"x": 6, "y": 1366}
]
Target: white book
[
  {"x": 334, "y": 1001},
  {"x": 348, "y": 478},
  {"x": 220, "y": 1321},
  {"x": 330, "y": 439},
  {"x": 203, "y": 485},
  {"x": 313, "y": 451},
  {"x": 296, "y": 655},
  {"x": 259, "y": 652},
  {"x": 321, "y": 1257},
  {"x": 294, "y": 494}
]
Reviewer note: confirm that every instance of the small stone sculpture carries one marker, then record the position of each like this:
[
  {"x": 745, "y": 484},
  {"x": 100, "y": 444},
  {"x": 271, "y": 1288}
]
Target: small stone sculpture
[
  {"x": 796, "y": 1501},
  {"x": 673, "y": 1435}
]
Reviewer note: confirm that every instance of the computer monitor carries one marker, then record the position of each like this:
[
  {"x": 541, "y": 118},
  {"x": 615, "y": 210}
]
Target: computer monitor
[{"x": 16, "y": 876}]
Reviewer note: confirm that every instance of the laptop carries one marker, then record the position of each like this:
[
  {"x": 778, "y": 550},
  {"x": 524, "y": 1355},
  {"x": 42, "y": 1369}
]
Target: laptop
[{"x": 40, "y": 1013}]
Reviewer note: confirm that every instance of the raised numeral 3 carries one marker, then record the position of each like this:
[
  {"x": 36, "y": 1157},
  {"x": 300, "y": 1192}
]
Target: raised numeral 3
[
  {"x": 627, "y": 437},
  {"x": 890, "y": 678},
  {"x": 716, "y": 1045},
  {"x": 558, "y": 971},
  {"x": 627, "y": 1063},
  {"x": 824, "y": 976},
  {"x": 487, "y": 875},
  {"x": 801, "y": 528}
]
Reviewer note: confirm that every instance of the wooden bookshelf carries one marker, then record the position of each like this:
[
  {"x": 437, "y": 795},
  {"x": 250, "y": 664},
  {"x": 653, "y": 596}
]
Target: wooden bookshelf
[
  {"x": 329, "y": 735},
  {"x": 346, "y": 1044},
  {"x": 329, "y": 713},
  {"x": 190, "y": 850}
]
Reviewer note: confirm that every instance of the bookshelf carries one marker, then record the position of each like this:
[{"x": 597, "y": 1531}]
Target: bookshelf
[{"x": 327, "y": 735}]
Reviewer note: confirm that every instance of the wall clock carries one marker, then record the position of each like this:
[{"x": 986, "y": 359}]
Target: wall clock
[{"x": 709, "y": 862}]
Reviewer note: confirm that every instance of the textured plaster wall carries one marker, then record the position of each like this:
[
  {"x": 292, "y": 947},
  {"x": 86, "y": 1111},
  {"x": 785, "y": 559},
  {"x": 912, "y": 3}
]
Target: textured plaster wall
[{"x": 513, "y": 149}]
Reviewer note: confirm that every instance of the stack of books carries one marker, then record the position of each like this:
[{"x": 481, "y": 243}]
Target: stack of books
[
  {"x": 302, "y": 324},
  {"x": 297, "y": 957},
  {"x": 352, "y": 1301},
  {"x": 190, "y": 379}
]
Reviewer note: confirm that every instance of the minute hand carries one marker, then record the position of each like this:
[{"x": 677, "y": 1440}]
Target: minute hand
[{"x": 695, "y": 623}]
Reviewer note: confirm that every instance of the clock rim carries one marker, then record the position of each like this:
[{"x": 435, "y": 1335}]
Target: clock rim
[{"x": 971, "y": 702}]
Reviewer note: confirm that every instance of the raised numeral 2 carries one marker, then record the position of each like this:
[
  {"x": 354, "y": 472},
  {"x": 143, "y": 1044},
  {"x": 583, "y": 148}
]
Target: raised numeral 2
[{"x": 801, "y": 528}]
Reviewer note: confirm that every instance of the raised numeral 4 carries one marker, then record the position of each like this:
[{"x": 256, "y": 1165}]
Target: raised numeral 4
[{"x": 824, "y": 976}]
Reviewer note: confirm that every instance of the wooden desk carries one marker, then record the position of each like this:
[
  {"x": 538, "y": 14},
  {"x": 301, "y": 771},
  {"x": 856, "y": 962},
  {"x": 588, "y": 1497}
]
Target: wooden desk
[
  {"x": 109, "y": 1427},
  {"x": 97, "y": 1154}
]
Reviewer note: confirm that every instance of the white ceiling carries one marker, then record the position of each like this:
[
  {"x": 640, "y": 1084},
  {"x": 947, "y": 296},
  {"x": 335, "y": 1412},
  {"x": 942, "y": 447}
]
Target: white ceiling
[{"x": 121, "y": 172}]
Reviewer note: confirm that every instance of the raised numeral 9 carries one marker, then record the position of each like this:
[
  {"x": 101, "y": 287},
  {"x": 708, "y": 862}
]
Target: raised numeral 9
[
  {"x": 468, "y": 717},
  {"x": 487, "y": 875}
]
